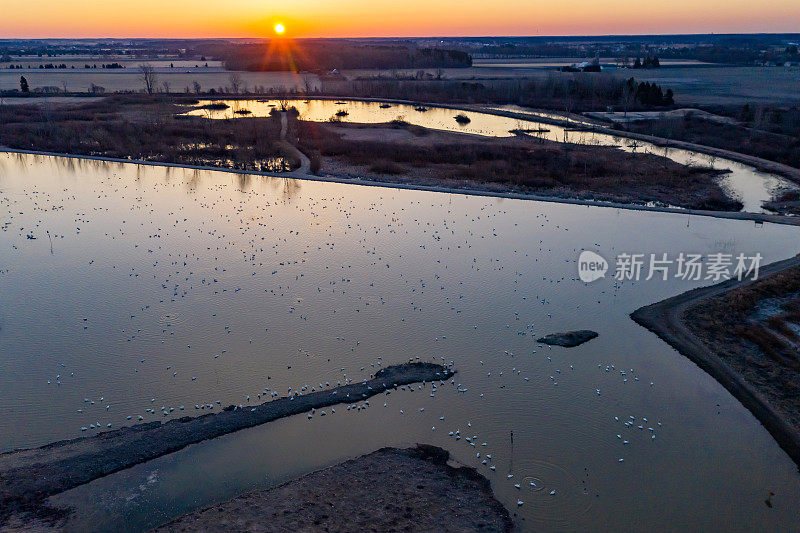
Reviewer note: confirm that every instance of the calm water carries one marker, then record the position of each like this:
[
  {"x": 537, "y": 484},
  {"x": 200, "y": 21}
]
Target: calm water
[
  {"x": 743, "y": 182},
  {"x": 167, "y": 287}
]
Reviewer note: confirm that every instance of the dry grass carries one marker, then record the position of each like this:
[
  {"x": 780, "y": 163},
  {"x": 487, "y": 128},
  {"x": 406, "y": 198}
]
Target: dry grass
[
  {"x": 522, "y": 165},
  {"x": 762, "y": 347},
  {"x": 782, "y": 146}
]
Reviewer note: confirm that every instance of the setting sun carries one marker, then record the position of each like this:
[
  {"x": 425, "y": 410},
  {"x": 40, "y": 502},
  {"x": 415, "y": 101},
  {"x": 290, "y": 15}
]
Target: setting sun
[{"x": 279, "y": 28}]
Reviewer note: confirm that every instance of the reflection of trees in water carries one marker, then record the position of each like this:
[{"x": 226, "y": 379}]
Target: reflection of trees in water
[
  {"x": 288, "y": 187},
  {"x": 194, "y": 178},
  {"x": 285, "y": 186},
  {"x": 68, "y": 164},
  {"x": 243, "y": 182}
]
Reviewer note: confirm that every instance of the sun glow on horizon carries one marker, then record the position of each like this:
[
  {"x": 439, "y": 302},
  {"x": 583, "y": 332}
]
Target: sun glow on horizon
[{"x": 364, "y": 18}]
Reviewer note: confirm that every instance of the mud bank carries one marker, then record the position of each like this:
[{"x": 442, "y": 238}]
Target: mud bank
[{"x": 413, "y": 489}]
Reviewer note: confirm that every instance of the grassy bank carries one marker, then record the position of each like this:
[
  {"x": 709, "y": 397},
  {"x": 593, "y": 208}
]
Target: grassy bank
[
  {"x": 755, "y": 329},
  {"x": 522, "y": 164},
  {"x": 772, "y": 133},
  {"x": 560, "y": 91}
]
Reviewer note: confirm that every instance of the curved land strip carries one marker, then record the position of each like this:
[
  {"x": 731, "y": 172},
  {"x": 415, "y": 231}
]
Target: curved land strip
[
  {"x": 153, "y": 131},
  {"x": 718, "y": 329},
  {"x": 412, "y": 489},
  {"x": 398, "y": 152},
  {"x": 759, "y": 163},
  {"x": 28, "y": 477}
]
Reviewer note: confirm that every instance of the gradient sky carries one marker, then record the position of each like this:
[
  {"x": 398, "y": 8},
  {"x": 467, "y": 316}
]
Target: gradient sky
[{"x": 366, "y": 18}]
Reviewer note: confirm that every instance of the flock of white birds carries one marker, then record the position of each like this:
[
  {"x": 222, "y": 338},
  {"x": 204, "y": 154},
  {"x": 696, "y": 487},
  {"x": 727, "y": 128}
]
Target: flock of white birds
[{"x": 260, "y": 288}]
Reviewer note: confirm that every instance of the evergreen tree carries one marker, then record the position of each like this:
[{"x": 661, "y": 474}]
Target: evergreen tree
[{"x": 23, "y": 85}]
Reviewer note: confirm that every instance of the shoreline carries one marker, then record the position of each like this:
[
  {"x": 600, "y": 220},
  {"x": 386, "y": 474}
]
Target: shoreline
[
  {"x": 734, "y": 215},
  {"x": 665, "y": 319},
  {"x": 29, "y": 476}
]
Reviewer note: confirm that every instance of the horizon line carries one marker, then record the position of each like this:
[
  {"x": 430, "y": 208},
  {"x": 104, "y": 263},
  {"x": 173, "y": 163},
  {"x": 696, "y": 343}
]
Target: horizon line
[{"x": 509, "y": 36}]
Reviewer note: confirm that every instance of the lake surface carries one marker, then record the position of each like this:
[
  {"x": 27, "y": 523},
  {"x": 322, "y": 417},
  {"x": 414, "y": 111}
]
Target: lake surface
[
  {"x": 158, "y": 287},
  {"x": 744, "y": 182}
]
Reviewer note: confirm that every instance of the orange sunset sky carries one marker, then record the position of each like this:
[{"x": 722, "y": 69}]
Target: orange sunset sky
[{"x": 367, "y": 18}]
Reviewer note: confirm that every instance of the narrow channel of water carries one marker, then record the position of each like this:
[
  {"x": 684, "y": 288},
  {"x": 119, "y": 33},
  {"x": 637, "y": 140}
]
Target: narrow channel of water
[{"x": 744, "y": 182}]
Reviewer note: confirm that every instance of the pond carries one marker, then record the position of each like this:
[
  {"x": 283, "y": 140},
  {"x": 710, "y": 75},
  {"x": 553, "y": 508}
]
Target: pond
[
  {"x": 148, "y": 288},
  {"x": 744, "y": 182}
]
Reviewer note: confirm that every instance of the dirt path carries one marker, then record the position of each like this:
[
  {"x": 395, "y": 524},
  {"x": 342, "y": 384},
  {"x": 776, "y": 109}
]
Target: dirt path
[
  {"x": 665, "y": 319},
  {"x": 305, "y": 163},
  {"x": 388, "y": 490},
  {"x": 28, "y": 477}
]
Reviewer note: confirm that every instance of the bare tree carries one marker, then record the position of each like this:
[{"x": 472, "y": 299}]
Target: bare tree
[
  {"x": 148, "y": 76},
  {"x": 628, "y": 98},
  {"x": 165, "y": 85},
  {"x": 236, "y": 82},
  {"x": 308, "y": 84},
  {"x": 196, "y": 87}
]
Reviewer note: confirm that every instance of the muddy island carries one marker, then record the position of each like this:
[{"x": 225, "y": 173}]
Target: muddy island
[{"x": 568, "y": 339}]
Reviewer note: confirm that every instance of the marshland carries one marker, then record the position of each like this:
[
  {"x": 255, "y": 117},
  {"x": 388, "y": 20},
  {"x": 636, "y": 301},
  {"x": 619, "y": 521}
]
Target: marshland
[{"x": 215, "y": 252}]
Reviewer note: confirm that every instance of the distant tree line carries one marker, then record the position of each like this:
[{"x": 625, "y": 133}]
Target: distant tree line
[
  {"x": 327, "y": 56},
  {"x": 64, "y": 66},
  {"x": 571, "y": 92},
  {"x": 648, "y": 62}
]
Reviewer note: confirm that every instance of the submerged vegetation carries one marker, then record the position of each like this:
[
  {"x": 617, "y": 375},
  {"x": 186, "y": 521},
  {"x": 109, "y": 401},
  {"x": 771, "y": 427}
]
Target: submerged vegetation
[
  {"x": 216, "y": 106},
  {"x": 130, "y": 127}
]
